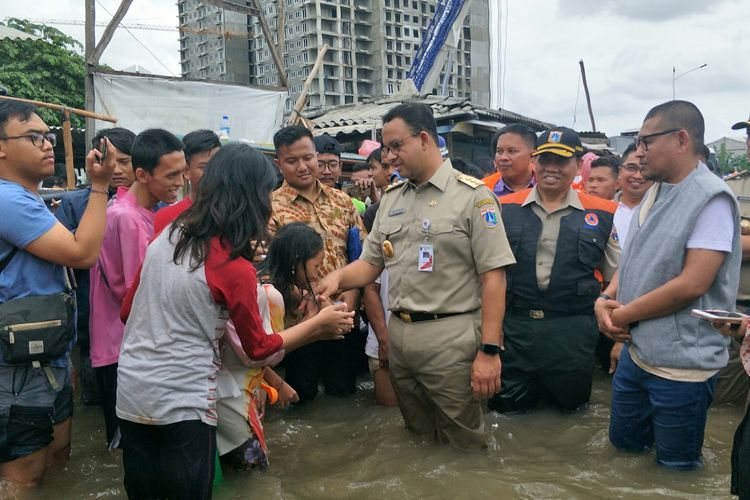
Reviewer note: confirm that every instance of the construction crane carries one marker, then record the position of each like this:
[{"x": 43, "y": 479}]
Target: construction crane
[{"x": 150, "y": 27}]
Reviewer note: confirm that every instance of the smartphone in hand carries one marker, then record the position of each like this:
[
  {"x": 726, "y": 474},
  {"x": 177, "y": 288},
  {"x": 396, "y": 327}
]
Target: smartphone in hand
[
  {"x": 718, "y": 315},
  {"x": 103, "y": 150}
]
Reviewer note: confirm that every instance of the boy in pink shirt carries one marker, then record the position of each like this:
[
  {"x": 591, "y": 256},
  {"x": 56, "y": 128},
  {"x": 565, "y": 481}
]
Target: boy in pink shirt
[{"x": 159, "y": 165}]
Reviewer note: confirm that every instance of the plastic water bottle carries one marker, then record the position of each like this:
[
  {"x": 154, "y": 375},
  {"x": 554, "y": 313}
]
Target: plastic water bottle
[{"x": 224, "y": 130}]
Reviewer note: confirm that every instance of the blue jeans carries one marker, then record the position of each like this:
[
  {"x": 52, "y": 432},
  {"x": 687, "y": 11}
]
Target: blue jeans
[{"x": 652, "y": 411}]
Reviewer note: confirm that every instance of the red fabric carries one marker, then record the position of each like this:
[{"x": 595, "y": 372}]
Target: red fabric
[
  {"x": 233, "y": 284},
  {"x": 127, "y": 302},
  {"x": 167, "y": 215}
]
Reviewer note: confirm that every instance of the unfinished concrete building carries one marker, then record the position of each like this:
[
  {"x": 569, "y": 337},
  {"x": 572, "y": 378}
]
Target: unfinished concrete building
[{"x": 372, "y": 43}]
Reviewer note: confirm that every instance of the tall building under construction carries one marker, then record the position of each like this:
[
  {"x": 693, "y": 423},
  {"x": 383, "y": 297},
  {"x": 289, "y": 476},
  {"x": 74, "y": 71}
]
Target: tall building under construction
[{"x": 371, "y": 47}]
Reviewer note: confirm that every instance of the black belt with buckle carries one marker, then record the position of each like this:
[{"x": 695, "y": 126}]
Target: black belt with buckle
[
  {"x": 535, "y": 313},
  {"x": 416, "y": 317}
]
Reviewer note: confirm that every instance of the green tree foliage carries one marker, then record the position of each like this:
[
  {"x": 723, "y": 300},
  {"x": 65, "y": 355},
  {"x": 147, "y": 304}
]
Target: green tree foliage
[
  {"x": 731, "y": 162},
  {"x": 51, "y": 69}
]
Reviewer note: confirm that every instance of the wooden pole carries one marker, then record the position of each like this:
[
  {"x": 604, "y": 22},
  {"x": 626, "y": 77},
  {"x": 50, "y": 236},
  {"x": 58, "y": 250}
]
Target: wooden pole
[
  {"x": 255, "y": 10},
  {"x": 109, "y": 31},
  {"x": 277, "y": 59},
  {"x": 58, "y": 107},
  {"x": 93, "y": 52},
  {"x": 588, "y": 97},
  {"x": 89, "y": 46},
  {"x": 68, "y": 143},
  {"x": 295, "y": 116}
]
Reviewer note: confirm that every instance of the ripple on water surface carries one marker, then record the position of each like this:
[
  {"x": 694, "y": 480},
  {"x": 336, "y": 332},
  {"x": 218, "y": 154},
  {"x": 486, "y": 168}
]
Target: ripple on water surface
[{"x": 351, "y": 449}]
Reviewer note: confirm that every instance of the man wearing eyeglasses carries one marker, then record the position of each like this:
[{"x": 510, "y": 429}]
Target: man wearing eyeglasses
[
  {"x": 329, "y": 160},
  {"x": 682, "y": 253},
  {"x": 632, "y": 189},
  {"x": 441, "y": 238},
  {"x": 37, "y": 419}
]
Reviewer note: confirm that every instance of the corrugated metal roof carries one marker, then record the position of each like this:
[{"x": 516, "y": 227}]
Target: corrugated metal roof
[
  {"x": 14, "y": 34},
  {"x": 363, "y": 117}
]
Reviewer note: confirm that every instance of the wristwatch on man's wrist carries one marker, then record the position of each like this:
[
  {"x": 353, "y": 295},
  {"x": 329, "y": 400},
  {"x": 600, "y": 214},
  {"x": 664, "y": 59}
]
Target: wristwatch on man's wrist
[
  {"x": 490, "y": 349},
  {"x": 604, "y": 296}
]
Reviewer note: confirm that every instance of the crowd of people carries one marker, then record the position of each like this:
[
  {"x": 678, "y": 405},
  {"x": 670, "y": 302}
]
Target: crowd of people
[{"x": 460, "y": 294}]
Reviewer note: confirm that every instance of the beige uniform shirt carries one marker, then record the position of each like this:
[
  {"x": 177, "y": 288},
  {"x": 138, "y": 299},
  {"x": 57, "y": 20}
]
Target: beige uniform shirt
[
  {"x": 547, "y": 244},
  {"x": 465, "y": 230},
  {"x": 740, "y": 186}
]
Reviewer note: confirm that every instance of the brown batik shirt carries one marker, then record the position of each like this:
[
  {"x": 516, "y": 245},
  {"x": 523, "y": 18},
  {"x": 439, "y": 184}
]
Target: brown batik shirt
[{"x": 332, "y": 214}]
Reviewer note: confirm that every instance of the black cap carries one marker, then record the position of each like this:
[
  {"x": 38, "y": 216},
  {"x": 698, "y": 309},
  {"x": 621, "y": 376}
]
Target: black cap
[
  {"x": 327, "y": 144},
  {"x": 562, "y": 141},
  {"x": 741, "y": 125}
]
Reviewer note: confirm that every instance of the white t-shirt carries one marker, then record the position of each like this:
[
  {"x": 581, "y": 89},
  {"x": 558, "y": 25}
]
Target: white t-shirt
[
  {"x": 714, "y": 228},
  {"x": 371, "y": 346},
  {"x": 623, "y": 214}
]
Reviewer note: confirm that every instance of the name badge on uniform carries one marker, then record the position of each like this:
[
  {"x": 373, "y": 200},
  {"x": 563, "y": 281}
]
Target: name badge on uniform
[{"x": 426, "y": 258}]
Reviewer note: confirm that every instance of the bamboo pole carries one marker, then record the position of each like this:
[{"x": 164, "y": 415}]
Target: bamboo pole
[
  {"x": 68, "y": 143},
  {"x": 89, "y": 46},
  {"x": 278, "y": 58},
  {"x": 58, "y": 107},
  {"x": 295, "y": 116}
]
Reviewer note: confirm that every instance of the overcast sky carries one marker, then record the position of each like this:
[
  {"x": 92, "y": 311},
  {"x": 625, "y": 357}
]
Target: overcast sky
[{"x": 629, "y": 48}]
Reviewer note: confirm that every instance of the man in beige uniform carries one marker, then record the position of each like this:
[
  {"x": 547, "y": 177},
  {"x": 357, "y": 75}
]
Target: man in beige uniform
[
  {"x": 732, "y": 385},
  {"x": 442, "y": 240},
  {"x": 563, "y": 246}
]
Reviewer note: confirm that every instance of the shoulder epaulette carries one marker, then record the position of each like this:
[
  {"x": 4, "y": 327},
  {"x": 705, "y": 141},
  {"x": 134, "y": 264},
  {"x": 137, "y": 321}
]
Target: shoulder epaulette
[
  {"x": 469, "y": 180},
  {"x": 395, "y": 185}
]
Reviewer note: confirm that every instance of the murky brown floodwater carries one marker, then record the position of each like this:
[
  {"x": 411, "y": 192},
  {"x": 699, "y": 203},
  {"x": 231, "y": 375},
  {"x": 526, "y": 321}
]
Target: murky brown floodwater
[{"x": 352, "y": 449}]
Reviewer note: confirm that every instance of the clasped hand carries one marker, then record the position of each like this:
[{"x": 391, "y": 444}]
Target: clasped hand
[{"x": 608, "y": 318}]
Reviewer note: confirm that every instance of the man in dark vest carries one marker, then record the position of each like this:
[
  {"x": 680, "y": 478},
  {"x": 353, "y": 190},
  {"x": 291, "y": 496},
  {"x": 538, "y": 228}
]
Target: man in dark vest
[{"x": 562, "y": 243}]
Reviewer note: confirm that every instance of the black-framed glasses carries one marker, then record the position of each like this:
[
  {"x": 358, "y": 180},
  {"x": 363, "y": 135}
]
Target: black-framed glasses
[
  {"x": 395, "y": 146},
  {"x": 331, "y": 165},
  {"x": 631, "y": 169},
  {"x": 641, "y": 141},
  {"x": 37, "y": 139}
]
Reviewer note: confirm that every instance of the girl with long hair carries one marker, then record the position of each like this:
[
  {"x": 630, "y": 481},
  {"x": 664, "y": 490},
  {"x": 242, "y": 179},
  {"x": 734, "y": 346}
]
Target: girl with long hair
[
  {"x": 289, "y": 272},
  {"x": 195, "y": 277}
]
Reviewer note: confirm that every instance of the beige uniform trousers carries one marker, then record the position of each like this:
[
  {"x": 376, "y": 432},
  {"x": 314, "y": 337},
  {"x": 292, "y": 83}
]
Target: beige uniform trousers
[{"x": 430, "y": 368}]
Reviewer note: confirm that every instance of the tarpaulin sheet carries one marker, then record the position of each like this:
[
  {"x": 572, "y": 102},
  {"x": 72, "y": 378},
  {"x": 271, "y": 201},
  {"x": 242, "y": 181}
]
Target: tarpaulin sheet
[{"x": 180, "y": 106}]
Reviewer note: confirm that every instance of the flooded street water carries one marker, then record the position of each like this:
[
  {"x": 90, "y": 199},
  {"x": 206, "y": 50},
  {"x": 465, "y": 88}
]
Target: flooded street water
[{"x": 351, "y": 449}]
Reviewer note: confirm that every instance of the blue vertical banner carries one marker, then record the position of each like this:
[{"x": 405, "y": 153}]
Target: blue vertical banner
[{"x": 442, "y": 35}]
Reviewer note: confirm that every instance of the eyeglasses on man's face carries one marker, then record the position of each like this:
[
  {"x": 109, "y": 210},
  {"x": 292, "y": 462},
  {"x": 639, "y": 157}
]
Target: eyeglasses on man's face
[
  {"x": 632, "y": 169},
  {"x": 395, "y": 146},
  {"x": 37, "y": 139},
  {"x": 641, "y": 141},
  {"x": 331, "y": 165}
]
